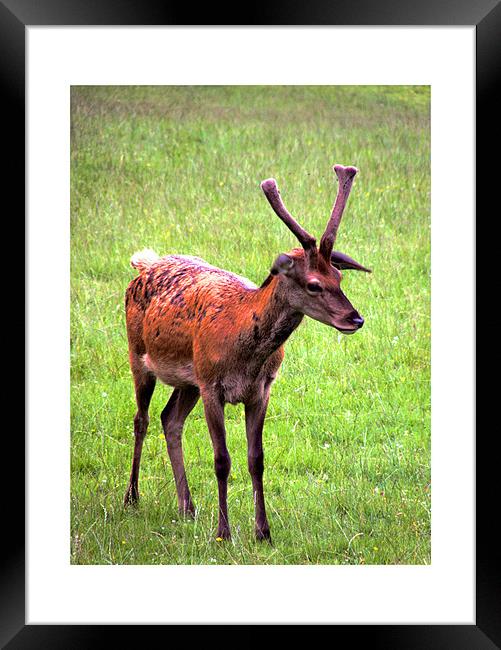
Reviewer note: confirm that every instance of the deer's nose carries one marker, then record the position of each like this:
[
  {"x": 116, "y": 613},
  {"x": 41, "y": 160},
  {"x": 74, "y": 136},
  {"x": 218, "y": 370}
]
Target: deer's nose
[{"x": 358, "y": 320}]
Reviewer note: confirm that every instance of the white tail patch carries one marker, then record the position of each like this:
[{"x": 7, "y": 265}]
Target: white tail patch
[{"x": 144, "y": 259}]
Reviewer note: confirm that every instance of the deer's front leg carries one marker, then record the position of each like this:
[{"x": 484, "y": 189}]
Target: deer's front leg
[
  {"x": 214, "y": 414},
  {"x": 254, "y": 422}
]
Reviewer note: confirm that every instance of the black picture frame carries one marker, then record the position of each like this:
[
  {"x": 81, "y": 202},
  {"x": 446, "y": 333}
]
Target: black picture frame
[{"x": 15, "y": 15}]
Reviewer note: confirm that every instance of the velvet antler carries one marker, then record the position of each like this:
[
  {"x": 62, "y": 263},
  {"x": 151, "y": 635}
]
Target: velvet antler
[
  {"x": 306, "y": 240},
  {"x": 345, "y": 176}
]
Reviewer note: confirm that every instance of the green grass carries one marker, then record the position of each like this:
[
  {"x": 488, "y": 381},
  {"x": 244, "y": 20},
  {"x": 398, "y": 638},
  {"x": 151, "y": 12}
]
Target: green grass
[{"x": 347, "y": 436}]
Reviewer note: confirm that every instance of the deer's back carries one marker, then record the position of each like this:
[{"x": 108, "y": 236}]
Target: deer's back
[{"x": 173, "y": 302}]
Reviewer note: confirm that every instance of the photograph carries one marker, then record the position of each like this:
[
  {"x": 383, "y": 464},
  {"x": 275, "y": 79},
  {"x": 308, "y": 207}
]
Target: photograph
[
  {"x": 250, "y": 339},
  {"x": 250, "y": 325}
]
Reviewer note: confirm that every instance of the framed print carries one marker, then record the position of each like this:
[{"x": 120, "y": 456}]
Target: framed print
[{"x": 155, "y": 144}]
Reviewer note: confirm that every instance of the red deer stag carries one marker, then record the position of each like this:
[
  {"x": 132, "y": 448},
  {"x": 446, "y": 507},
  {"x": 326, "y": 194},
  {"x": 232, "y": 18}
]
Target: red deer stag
[{"x": 210, "y": 333}]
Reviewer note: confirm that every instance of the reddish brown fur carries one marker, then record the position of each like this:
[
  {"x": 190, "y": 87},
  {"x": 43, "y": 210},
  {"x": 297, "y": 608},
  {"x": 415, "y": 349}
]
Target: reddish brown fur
[
  {"x": 181, "y": 309},
  {"x": 207, "y": 332}
]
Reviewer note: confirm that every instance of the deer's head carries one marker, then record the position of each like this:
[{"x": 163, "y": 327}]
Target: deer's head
[{"x": 311, "y": 275}]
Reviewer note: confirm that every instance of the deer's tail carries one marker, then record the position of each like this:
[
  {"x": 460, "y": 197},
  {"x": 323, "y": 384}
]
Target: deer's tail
[{"x": 144, "y": 259}]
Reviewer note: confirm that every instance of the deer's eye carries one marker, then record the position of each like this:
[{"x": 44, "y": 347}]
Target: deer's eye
[{"x": 314, "y": 288}]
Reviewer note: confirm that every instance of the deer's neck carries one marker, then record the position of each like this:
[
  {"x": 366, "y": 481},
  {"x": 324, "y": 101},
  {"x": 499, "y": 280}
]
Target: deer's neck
[{"x": 271, "y": 320}]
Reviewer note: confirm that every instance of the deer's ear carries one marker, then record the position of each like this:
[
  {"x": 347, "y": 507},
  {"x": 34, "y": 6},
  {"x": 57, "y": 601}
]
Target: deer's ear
[
  {"x": 341, "y": 261},
  {"x": 283, "y": 264}
]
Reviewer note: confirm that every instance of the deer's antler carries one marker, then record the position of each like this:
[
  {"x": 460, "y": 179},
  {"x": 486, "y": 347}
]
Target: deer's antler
[
  {"x": 345, "y": 176},
  {"x": 307, "y": 241}
]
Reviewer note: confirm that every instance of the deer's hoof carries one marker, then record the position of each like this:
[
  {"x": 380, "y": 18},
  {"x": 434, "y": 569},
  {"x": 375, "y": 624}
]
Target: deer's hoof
[
  {"x": 188, "y": 511},
  {"x": 131, "y": 497},
  {"x": 223, "y": 535},
  {"x": 263, "y": 535}
]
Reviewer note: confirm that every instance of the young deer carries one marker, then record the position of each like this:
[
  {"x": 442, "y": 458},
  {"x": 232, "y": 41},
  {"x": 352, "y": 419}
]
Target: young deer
[{"x": 211, "y": 333}]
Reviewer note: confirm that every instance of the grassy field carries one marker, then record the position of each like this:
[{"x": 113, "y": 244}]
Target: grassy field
[{"x": 347, "y": 437}]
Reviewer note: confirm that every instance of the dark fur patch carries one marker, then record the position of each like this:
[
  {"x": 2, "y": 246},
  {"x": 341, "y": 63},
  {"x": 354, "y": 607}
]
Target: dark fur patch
[
  {"x": 267, "y": 281},
  {"x": 178, "y": 299},
  {"x": 149, "y": 288},
  {"x": 285, "y": 329},
  {"x": 217, "y": 311}
]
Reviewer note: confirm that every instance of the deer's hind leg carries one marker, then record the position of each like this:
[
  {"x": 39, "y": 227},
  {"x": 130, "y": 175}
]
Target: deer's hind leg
[
  {"x": 179, "y": 406},
  {"x": 144, "y": 382}
]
